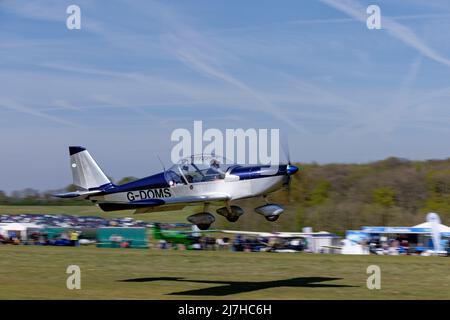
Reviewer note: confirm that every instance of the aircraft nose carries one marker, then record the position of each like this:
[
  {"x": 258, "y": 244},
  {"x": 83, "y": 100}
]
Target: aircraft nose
[{"x": 291, "y": 169}]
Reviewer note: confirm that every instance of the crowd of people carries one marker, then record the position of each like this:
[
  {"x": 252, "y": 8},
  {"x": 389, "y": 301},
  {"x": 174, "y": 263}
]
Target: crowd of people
[
  {"x": 38, "y": 224},
  {"x": 66, "y": 238},
  {"x": 238, "y": 244},
  {"x": 67, "y": 221},
  {"x": 74, "y": 233},
  {"x": 402, "y": 245},
  {"x": 196, "y": 243}
]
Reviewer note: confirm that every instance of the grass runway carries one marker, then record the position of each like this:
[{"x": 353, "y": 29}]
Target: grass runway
[{"x": 34, "y": 272}]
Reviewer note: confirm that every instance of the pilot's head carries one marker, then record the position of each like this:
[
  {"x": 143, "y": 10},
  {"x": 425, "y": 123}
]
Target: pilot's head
[{"x": 214, "y": 163}]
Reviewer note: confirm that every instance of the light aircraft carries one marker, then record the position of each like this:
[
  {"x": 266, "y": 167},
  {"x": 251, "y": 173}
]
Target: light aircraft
[
  {"x": 279, "y": 241},
  {"x": 298, "y": 241},
  {"x": 196, "y": 180},
  {"x": 172, "y": 236},
  {"x": 184, "y": 237}
]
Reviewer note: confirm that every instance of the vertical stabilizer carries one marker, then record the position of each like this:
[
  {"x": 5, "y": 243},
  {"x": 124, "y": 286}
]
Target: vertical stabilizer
[{"x": 86, "y": 173}]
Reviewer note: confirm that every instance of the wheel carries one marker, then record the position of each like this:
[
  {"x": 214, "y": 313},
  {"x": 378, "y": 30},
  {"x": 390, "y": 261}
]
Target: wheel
[
  {"x": 203, "y": 226},
  {"x": 233, "y": 218},
  {"x": 272, "y": 218}
]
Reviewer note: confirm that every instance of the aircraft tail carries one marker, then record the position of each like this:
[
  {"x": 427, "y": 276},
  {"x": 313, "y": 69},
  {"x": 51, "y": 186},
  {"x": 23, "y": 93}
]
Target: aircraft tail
[{"x": 85, "y": 171}]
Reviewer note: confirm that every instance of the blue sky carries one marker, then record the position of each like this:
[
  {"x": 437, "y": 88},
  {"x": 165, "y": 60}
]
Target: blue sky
[{"x": 137, "y": 70}]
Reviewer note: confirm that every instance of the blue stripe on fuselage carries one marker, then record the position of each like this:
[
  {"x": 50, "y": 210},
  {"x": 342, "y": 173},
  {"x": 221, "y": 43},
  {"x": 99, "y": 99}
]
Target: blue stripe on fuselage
[
  {"x": 152, "y": 182},
  {"x": 255, "y": 172}
]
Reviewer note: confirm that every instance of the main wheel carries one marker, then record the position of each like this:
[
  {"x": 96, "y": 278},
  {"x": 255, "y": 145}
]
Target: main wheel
[
  {"x": 272, "y": 218},
  {"x": 233, "y": 218},
  {"x": 203, "y": 226}
]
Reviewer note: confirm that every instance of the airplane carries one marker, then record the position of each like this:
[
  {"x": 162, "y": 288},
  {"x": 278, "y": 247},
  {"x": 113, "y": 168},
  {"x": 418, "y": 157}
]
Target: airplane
[
  {"x": 184, "y": 237},
  {"x": 279, "y": 241},
  {"x": 196, "y": 180}
]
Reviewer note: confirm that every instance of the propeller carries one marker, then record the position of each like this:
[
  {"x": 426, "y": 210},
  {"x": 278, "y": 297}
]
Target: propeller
[
  {"x": 285, "y": 148},
  {"x": 290, "y": 168}
]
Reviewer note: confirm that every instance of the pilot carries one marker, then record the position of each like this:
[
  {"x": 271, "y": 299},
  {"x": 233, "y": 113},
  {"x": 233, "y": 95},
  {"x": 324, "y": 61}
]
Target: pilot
[
  {"x": 215, "y": 164},
  {"x": 187, "y": 174},
  {"x": 214, "y": 169}
]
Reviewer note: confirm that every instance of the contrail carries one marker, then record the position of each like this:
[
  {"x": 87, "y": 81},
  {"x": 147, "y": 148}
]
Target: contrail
[
  {"x": 355, "y": 10},
  {"x": 207, "y": 69},
  {"x": 9, "y": 104}
]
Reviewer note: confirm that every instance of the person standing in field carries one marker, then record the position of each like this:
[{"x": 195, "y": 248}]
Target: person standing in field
[{"x": 74, "y": 238}]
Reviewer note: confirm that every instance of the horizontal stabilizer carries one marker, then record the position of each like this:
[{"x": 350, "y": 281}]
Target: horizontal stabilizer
[{"x": 77, "y": 194}]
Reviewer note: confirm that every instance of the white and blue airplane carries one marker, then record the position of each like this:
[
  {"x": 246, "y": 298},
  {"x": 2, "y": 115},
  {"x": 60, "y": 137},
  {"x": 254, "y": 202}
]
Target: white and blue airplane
[{"x": 197, "y": 180}]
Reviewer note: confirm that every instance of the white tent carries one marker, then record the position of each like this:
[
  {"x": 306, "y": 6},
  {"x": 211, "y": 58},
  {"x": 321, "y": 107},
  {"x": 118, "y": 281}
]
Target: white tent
[
  {"x": 427, "y": 225},
  {"x": 20, "y": 228}
]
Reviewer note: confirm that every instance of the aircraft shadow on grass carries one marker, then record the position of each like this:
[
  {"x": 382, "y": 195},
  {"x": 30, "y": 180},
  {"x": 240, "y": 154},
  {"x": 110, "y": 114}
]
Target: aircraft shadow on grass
[{"x": 234, "y": 287}]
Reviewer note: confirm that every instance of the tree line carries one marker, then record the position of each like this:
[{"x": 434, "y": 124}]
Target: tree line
[
  {"x": 332, "y": 197},
  {"x": 339, "y": 197}
]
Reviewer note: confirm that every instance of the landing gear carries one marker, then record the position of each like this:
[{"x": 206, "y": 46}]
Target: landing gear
[
  {"x": 202, "y": 220},
  {"x": 272, "y": 218},
  {"x": 232, "y": 219},
  {"x": 231, "y": 213},
  {"x": 270, "y": 211}
]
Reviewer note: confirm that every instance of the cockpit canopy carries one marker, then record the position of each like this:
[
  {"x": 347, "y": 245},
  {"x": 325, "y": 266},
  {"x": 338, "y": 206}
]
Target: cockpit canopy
[{"x": 198, "y": 168}]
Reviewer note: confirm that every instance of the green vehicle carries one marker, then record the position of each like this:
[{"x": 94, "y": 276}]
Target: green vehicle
[{"x": 185, "y": 237}]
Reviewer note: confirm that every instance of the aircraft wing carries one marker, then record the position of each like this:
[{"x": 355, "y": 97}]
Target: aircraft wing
[
  {"x": 333, "y": 247},
  {"x": 273, "y": 234},
  {"x": 113, "y": 206},
  {"x": 255, "y": 233},
  {"x": 294, "y": 234},
  {"x": 188, "y": 231},
  {"x": 152, "y": 203},
  {"x": 195, "y": 199}
]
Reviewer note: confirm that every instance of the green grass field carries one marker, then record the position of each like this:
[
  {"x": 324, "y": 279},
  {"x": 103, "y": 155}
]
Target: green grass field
[{"x": 31, "y": 272}]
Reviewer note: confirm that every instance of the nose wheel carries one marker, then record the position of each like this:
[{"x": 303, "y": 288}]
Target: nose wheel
[
  {"x": 270, "y": 211},
  {"x": 203, "y": 226},
  {"x": 272, "y": 218}
]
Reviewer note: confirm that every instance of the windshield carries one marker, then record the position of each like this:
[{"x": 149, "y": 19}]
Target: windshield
[{"x": 198, "y": 168}]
